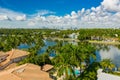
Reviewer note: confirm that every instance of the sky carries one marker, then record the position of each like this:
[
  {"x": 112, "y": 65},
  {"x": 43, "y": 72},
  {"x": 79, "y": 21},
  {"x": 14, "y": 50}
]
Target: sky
[
  {"x": 61, "y": 14},
  {"x": 61, "y": 7}
]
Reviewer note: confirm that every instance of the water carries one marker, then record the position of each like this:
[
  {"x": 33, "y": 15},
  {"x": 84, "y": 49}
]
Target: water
[
  {"x": 23, "y": 46},
  {"x": 112, "y": 53},
  {"x": 44, "y": 48},
  {"x": 77, "y": 72}
]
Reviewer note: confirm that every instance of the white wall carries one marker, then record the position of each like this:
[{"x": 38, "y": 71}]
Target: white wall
[{"x": 104, "y": 76}]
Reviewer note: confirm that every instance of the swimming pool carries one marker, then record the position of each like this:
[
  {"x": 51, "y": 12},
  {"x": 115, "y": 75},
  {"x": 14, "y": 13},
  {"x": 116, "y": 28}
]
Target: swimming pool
[{"x": 77, "y": 72}]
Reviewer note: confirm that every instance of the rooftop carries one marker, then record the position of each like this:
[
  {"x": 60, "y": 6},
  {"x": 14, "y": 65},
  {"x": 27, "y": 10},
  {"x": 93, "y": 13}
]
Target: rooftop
[
  {"x": 13, "y": 65},
  {"x": 2, "y": 53},
  {"x": 25, "y": 72},
  {"x": 47, "y": 67},
  {"x": 15, "y": 53}
]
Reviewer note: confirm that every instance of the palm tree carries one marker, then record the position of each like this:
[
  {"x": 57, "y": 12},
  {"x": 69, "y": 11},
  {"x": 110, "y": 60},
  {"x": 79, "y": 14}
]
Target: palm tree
[
  {"x": 63, "y": 66},
  {"x": 90, "y": 73},
  {"x": 107, "y": 65},
  {"x": 71, "y": 56}
]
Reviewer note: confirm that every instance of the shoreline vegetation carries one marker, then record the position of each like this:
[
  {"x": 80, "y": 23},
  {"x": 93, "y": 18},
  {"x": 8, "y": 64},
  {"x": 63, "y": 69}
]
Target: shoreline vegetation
[{"x": 90, "y": 41}]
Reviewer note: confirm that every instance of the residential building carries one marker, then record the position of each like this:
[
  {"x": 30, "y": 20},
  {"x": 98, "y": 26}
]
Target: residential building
[
  {"x": 96, "y": 38},
  {"x": 14, "y": 56},
  {"x": 74, "y": 35},
  {"x": 27, "y": 71}
]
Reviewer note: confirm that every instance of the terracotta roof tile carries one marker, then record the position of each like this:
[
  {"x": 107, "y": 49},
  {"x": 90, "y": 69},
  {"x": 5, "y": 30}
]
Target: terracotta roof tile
[
  {"x": 25, "y": 72},
  {"x": 47, "y": 67},
  {"x": 15, "y": 53},
  {"x": 2, "y": 53}
]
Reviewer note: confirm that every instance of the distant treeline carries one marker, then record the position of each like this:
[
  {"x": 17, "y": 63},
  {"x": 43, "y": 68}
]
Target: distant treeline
[
  {"x": 21, "y": 31},
  {"x": 83, "y": 33}
]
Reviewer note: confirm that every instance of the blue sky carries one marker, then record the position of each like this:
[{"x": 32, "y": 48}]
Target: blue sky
[
  {"x": 61, "y": 14},
  {"x": 60, "y": 7}
]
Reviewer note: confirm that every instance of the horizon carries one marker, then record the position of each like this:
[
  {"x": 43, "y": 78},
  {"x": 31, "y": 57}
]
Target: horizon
[{"x": 60, "y": 14}]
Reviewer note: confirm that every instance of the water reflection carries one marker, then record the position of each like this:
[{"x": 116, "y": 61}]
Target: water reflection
[
  {"x": 104, "y": 51},
  {"x": 113, "y": 53},
  {"x": 23, "y": 46},
  {"x": 47, "y": 44}
]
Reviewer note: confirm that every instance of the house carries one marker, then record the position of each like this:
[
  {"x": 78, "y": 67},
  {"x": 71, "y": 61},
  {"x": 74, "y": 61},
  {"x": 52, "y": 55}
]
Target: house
[
  {"x": 74, "y": 35},
  {"x": 27, "y": 71},
  {"x": 3, "y": 56},
  {"x": 96, "y": 38},
  {"x": 16, "y": 55},
  {"x": 13, "y": 56}
]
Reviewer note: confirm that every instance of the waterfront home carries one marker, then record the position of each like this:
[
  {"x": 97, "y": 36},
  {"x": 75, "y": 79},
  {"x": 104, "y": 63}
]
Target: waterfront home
[
  {"x": 14, "y": 56},
  {"x": 74, "y": 35},
  {"x": 96, "y": 38},
  {"x": 27, "y": 71}
]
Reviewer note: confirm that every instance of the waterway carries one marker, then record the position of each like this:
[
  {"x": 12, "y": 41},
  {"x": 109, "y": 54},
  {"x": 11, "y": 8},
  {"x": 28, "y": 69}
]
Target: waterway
[{"x": 112, "y": 52}]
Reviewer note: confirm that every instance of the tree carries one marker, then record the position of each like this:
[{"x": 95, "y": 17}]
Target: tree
[
  {"x": 40, "y": 60},
  {"x": 107, "y": 65},
  {"x": 90, "y": 73},
  {"x": 71, "y": 56},
  {"x": 63, "y": 66}
]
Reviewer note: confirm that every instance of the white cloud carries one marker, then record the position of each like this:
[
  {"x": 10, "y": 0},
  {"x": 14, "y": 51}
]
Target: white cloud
[
  {"x": 20, "y": 18},
  {"x": 31, "y": 23},
  {"x": 44, "y": 12},
  {"x": 93, "y": 8},
  {"x": 101, "y": 16},
  {"x": 83, "y": 10},
  {"x": 11, "y": 14},
  {"x": 111, "y": 5},
  {"x": 74, "y": 15},
  {"x": 3, "y": 17},
  {"x": 67, "y": 16}
]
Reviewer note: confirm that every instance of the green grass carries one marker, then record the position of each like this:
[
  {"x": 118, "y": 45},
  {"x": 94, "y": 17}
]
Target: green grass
[{"x": 115, "y": 73}]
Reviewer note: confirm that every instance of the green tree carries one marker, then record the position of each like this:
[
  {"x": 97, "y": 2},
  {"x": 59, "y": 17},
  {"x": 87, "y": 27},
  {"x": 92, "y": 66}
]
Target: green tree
[{"x": 107, "y": 65}]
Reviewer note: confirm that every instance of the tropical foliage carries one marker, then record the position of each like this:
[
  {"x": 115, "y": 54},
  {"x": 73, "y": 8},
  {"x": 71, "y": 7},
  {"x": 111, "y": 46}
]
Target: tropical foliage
[
  {"x": 107, "y": 65},
  {"x": 69, "y": 57},
  {"x": 90, "y": 73},
  {"x": 40, "y": 60}
]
